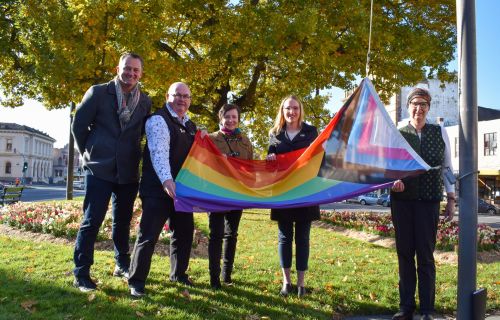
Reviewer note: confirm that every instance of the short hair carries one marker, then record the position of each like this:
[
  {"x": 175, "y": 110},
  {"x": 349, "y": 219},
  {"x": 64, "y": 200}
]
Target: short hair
[
  {"x": 226, "y": 107},
  {"x": 419, "y": 92},
  {"x": 132, "y": 55}
]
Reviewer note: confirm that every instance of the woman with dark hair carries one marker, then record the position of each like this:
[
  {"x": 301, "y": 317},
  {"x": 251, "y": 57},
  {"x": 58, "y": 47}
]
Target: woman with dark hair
[
  {"x": 224, "y": 225},
  {"x": 290, "y": 133}
]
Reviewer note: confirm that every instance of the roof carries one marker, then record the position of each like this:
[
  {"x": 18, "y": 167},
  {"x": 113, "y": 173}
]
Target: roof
[
  {"x": 20, "y": 127},
  {"x": 485, "y": 114}
]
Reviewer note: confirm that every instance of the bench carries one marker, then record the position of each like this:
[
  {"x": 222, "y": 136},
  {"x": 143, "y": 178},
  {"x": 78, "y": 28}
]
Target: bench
[{"x": 10, "y": 194}]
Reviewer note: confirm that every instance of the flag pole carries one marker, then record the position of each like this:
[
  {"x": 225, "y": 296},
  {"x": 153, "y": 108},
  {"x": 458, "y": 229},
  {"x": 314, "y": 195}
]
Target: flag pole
[{"x": 467, "y": 244}]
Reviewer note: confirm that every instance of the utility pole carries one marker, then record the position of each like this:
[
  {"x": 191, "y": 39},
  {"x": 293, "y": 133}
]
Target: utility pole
[{"x": 71, "y": 156}]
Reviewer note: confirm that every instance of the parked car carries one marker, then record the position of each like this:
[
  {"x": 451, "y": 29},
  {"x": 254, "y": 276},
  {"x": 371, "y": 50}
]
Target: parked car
[
  {"x": 79, "y": 185},
  {"x": 368, "y": 198},
  {"x": 485, "y": 207},
  {"x": 384, "y": 200}
]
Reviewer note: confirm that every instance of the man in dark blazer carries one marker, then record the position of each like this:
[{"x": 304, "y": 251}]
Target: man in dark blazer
[{"x": 108, "y": 126}]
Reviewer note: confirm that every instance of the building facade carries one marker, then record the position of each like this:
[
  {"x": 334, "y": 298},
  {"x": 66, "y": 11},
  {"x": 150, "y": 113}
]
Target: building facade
[
  {"x": 25, "y": 153},
  {"x": 444, "y": 103},
  {"x": 60, "y": 165},
  {"x": 488, "y": 157}
]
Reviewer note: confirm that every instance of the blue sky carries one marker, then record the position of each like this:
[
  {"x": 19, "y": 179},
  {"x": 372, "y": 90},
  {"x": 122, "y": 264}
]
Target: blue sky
[{"x": 56, "y": 122}]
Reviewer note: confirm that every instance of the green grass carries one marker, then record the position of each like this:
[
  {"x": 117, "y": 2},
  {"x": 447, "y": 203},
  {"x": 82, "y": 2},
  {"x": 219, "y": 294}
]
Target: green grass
[{"x": 347, "y": 277}]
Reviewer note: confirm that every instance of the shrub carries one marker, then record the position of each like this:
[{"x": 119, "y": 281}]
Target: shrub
[{"x": 381, "y": 223}]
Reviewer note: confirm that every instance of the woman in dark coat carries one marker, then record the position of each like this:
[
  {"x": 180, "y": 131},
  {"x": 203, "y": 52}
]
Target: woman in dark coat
[{"x": 291, "y": 133}]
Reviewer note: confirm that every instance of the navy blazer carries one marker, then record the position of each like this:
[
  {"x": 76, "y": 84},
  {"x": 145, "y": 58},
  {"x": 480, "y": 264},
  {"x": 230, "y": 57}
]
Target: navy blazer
[{"x": 108, "y": 152}]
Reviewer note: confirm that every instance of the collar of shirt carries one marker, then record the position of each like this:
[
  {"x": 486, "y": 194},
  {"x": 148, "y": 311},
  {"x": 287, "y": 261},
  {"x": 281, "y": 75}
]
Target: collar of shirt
[{"x": 172, "y": 112}]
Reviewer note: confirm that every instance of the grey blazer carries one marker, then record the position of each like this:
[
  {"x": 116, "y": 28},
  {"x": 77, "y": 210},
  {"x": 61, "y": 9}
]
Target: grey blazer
[{"x": 108, "y": 152}]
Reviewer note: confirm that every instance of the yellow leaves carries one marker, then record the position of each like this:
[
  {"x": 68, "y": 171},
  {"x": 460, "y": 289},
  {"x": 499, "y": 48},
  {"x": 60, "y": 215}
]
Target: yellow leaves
[
  {"x": 329, "y": 287},
  {"x": 185, "y": 294},
  {"x": 29, "y": 270},
  {"x": 139, "y": 314},
  {"x": 29, "y": 305},
  {"x": 91, "y": 297}
]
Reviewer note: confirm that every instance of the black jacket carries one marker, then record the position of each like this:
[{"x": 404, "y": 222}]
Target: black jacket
[
  {"x": 110, "y": 153},
  {"x": 302, "y": 140}
]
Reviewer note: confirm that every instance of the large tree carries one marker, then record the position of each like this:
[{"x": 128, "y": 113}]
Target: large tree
[{"x": 252, "y": 52}]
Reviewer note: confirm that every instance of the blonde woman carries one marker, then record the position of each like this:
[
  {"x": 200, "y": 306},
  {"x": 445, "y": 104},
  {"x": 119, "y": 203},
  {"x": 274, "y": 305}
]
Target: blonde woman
[{"x": 290, "y": 133}]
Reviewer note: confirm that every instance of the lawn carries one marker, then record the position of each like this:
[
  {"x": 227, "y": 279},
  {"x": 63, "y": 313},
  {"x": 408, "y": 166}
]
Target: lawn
[{"x": 346, "y": 276}]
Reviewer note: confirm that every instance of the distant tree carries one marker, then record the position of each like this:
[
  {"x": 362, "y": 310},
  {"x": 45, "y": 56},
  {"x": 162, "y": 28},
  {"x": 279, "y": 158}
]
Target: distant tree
[{"x": 253, "y": 52}]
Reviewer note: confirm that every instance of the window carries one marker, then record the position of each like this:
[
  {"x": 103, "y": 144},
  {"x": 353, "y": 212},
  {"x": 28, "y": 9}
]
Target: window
[
  {"x": 8, "y": 147},
  {"x": 490, "y": 144},
  {"x": 456, "y": 147},
  {"x": 8, "y": 168}
]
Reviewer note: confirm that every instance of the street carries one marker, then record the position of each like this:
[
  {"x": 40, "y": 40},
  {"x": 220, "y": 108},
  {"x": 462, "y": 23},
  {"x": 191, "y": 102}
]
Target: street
[
  {"x": 53, "y": 192},
  {"x": 47, "y": 192}
]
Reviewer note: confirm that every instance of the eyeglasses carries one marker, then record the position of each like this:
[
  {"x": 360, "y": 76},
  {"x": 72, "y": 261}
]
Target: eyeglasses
[
  {"x": 422, "y": 105},
  {"x": 181, "y": 96}
]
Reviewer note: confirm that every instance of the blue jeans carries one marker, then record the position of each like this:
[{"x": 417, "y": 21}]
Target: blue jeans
[
  {"x": 95, "y": 205},
  {"x": 285, "y": 240}
]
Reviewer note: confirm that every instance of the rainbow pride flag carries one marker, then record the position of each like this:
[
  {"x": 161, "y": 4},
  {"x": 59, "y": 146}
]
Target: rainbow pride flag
[{"x": 359, "y": 151}]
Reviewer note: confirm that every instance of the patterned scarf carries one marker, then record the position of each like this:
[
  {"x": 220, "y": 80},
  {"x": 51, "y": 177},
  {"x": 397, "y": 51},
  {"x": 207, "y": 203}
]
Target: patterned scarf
[{"x": 126, "y": 103}]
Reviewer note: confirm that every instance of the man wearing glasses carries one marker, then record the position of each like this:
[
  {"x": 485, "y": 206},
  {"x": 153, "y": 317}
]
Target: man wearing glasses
[{"x": 170, "y": 134}]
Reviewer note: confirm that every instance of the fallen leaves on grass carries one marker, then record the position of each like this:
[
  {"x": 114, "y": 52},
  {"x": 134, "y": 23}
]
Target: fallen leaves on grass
[
  {"x": 29, "y": 305},
  {"x": 185, "y": 294}
]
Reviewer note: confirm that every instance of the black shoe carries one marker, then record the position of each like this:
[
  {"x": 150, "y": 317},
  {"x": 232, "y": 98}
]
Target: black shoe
[
  {"x": 426, "y": 316},
  {"x": 121, "y": 272},
  {"x": 227, "y": 279},
  {"x": 301, "y": 291},
  {"x": 137, "y": 292},
  {"x": 84, "y": 284},
  {"x": 215, "y": 284},
  {"x": 286, "y": 289},
  {"x": 403, "y": 315}
]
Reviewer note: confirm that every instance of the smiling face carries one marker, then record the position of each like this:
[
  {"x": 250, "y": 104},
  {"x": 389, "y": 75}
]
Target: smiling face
[
  {"x": 129, "y": 72},
  {"x": 230, "y": 120},
  {"x": 291, "y": 111},
  {"x": 179, "y": 98},
  {"x": 418, "y": 109}
]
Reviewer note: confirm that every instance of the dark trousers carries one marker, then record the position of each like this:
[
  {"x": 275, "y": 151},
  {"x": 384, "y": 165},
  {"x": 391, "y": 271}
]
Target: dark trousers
[
  {"x": 285, "y": 241},
  {"x": 155, "y": 212},
  {"x": 95, "y": 205},
  {"x": 415, "y": 223},
  {"x": 223, "y": 228}
]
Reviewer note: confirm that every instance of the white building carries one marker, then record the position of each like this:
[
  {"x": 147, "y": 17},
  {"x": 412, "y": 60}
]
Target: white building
[
  {"x": 60, "y": 165},
  {"x": 488, "y": 157},
  {"x": 20, "y": 145},
  {"x": 444, "y": 102}
]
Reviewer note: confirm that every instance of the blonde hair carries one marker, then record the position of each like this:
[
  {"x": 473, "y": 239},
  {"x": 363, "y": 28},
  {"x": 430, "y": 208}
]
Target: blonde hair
[{"x": 279, "y": 122}]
